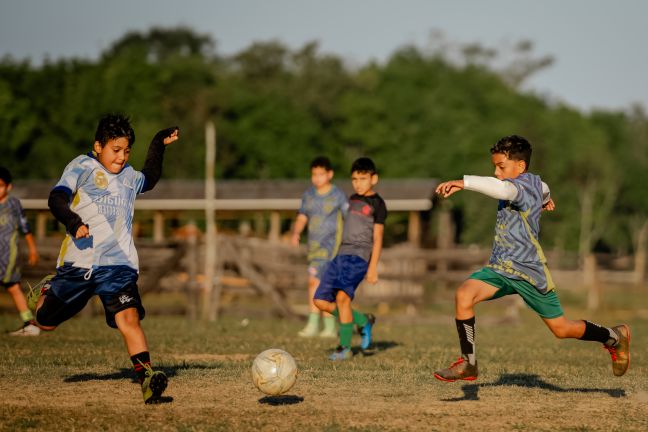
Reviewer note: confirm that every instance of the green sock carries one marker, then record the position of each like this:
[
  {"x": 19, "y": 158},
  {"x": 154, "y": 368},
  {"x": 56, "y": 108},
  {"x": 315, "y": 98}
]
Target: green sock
[
  {"x": 313, "y": 319},
  {"x": 329, "y": 323},
  {"x": 359, "y": 318},
  {"x": 26, "y": 315},
  {"x": 346, "y": 331}
]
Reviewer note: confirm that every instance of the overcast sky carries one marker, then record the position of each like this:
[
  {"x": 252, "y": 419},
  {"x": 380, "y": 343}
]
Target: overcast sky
[{"x": 599, "y": 46}]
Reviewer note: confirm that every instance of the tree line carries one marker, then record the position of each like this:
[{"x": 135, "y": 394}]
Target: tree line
[{"x": 424, "y": 112}]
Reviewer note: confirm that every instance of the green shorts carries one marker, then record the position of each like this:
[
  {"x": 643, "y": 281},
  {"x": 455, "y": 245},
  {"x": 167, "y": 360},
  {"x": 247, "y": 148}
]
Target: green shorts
[{"x": 545, "y": 305}]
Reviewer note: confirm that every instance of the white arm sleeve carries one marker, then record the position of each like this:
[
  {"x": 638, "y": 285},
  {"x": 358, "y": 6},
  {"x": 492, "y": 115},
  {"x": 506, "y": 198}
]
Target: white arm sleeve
[
  {"x": 491, "y": 187},
  {"x": 546, "y": 193}
]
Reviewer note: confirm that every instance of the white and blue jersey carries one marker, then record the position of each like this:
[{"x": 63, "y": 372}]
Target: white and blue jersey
[
  {"x": 105, "y": 202},
  {"x": 517, "y": 253}
]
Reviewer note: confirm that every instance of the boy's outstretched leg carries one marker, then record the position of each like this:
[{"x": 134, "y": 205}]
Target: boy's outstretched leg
[
  {"x": 469, "y": 293},
  {"x": 615, "y": 340},
  {"x": 153, "y": 382}
]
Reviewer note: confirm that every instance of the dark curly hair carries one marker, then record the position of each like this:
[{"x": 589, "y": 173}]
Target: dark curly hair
[
  {"x": 113, "y": 126},
  {"x": 321, "y": 162},
  {"x": 515, "y": 148},
  {"x": 5, "y": 175},
  {"x": 364, "y": 165}
]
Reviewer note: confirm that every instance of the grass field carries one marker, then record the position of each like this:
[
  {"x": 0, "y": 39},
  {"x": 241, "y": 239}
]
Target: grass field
[{"x": 79, "y": 377}]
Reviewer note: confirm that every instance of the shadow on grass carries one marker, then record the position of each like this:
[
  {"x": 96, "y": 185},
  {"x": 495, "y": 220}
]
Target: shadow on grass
[
  {"x": 127, "y": 373},
  {"x": 529, "y": 381},
  {"x": 281, "y": 400},
  {"x": 377, "y": 347}
]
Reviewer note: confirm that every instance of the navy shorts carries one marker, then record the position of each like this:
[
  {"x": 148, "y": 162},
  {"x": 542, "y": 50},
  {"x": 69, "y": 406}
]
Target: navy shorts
[
  {"x": 344, "y": 273},
  {"x": 72, "y": 288}
]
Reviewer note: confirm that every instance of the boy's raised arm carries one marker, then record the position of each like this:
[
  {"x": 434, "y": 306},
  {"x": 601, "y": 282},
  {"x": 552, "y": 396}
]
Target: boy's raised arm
[{"x": 153, "y": 166}]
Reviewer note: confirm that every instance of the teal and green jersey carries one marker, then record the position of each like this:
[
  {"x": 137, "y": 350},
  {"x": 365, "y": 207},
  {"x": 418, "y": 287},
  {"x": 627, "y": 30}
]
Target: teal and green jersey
[
  {"x": 517, "y": 253},
  {"x": 325, "y": 215},
  {"x": 12, "y": 222}
]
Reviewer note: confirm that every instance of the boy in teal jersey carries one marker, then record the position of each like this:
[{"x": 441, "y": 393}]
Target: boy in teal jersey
[
  {"x": 357, "y": 259},
  {"x": 517, "y": 264},
  {"x": 95, "y": 201},
  {"x": 322, "y": 209},
  {"x": 13, "y": 221}
]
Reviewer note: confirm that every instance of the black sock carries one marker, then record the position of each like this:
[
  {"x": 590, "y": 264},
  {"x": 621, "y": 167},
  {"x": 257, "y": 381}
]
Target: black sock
[
  {"x": 597, "y": 333},
  {"x": 139, "y": 361},
  {"x": 466, "y": 330}
]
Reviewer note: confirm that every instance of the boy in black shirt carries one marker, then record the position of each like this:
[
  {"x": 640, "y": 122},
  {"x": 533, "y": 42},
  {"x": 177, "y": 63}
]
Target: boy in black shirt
[{"x": 356, "y": 260}]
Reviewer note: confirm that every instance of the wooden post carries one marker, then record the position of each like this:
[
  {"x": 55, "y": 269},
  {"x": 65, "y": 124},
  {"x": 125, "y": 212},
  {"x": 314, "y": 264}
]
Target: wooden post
[
  {"x": 158, "y": 227},
  {"x": 591, "y": 282},
  {"x": 192, "y": 270},
  {"x": 210, "y": 304},
  {"x": 640, "y": 255},
  {"x": 414, "y": 229},
  {"x": 275, "y": 227},
  {"x": 41, "y": 225}
]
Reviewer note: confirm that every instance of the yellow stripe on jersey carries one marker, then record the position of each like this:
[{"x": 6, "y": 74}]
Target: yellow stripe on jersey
[
  {"x": 550, "y": 283},
  {"x": 13, "y": 254},
  {"x": 64, "y": 247}
]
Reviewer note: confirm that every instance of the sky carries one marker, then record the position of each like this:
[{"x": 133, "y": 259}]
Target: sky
[{"x": 598, "y": 47}]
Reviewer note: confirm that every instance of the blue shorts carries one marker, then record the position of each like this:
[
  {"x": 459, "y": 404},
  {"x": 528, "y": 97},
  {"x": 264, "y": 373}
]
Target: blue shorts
[
  {"x": 344, "y": 273},
  {"x": 73, "y": 287}
]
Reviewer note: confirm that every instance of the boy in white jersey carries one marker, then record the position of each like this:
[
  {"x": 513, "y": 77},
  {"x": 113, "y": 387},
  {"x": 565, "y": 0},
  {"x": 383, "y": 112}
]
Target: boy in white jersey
[
  {"x": 517, "y": 264},
  {"x": 94, "y": 200}
]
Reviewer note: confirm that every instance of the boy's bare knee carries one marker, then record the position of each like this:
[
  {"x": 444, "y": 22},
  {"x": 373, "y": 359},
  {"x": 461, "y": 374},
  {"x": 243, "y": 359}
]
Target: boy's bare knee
[
  {"x": 127, "y": 318},
  {"x": 322, "y": 305},
  {"x": 464, "y": 297}
]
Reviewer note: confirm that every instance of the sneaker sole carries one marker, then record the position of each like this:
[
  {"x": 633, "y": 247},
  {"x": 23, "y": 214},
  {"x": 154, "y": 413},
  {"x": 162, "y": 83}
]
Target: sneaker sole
[
  {"x": 440, "y": 378},
  {"x": 157, "y": 385},
  {"x": 628, "y": 365}
]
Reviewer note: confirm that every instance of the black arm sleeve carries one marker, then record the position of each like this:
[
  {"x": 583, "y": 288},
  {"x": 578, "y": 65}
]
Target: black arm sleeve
[
  {"x": 59, "y": 204},
  {"x": 153, "y": 166}
]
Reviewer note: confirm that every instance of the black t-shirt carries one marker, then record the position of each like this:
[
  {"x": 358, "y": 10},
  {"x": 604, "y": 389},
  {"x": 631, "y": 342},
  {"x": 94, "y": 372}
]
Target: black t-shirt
[{"x": 364, "y": 212}]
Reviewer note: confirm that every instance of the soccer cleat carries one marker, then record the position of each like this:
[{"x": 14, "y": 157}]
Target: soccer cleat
[
  {"x": 153, "y": 385},
  {"x": 27, "y": 329},
  {"x": 328, "y": 333},
  {"x": 365, "y": 332},
  {"x": 308, "y": 331},
  {"x": 459, "y": 370},
  {"x": 341, "y": 353},
  {"x": 620, "y": 352},
  {"x": 35, "y": 292}
]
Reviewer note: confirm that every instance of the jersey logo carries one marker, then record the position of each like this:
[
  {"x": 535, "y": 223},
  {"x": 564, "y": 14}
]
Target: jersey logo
[
  {"x": 100, "y": 180},
  {"x": 366, "y": 210}
]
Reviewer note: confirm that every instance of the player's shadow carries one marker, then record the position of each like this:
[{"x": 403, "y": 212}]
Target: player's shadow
[
  {"x": 281, "y": 400},
  {"x": 126, "y": 373},
  {"x": 377, "y": 347},
  {"x": 471, "y": 391}
]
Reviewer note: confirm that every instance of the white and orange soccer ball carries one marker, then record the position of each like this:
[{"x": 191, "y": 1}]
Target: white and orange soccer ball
[{"x": 274, "y": 371}]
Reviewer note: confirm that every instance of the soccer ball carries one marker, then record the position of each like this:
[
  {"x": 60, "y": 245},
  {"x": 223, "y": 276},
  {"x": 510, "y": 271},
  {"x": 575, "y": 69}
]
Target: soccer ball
[{"x": 274, "y": 371}]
